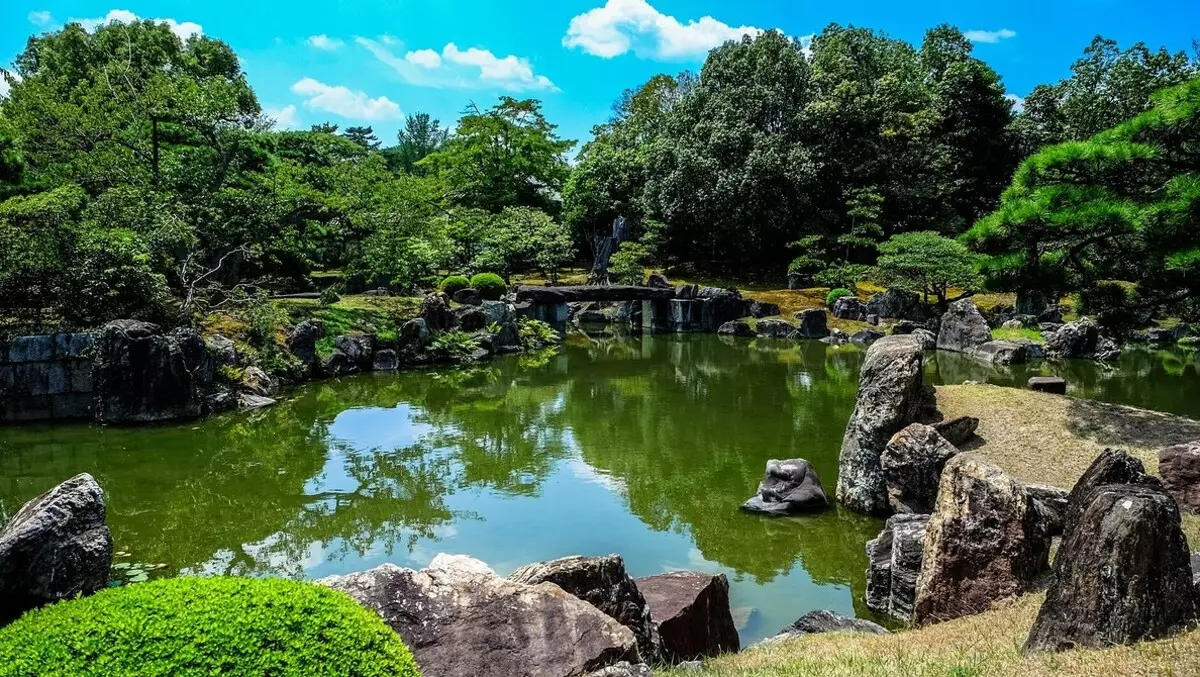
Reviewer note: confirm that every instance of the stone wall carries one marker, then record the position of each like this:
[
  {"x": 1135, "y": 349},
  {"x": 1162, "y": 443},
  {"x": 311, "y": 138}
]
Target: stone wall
[{"x": 46, "y": 377}]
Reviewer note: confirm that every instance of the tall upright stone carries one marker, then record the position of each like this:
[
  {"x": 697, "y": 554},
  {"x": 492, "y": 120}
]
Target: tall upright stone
[
  {"x": 963, "y": 328},
  {"x": 890, "y": 396}
]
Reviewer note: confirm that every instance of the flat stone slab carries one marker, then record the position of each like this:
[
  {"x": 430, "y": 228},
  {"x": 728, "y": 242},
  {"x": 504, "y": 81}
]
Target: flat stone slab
[
  {"x": 1048, "y": 384},
  {"x": 580, "y": 293}
]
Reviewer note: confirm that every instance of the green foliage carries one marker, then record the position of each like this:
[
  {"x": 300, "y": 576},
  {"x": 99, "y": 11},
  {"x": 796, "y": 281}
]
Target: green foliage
[
  {"x": 626, "y": 266},
  {"x": 193, "y": 626},
  {"x": 490, "y": 285},
  {"x": 455, "y": 344},
  {"x": 420, "y": 137},
  {"x": 453, "y": 284},
  {"x": 519, "y": 238},
  {"x": 536, "y": 334},
  {"x": 928, "y": 264},
  {"x": 834, "y": 294}
]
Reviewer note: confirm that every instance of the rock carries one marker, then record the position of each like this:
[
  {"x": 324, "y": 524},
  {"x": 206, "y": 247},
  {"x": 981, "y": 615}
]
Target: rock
[
  {"x": 1163, "y": 337},
  {"x": 789, "y": 487},
  {"x": 385, "y": 360},
  {"x": 814, "y": 323},
  {"x": 873, "y": 320},
  {"x": 222, "y": 351},
  {"x": 926, "y": 338},
  {"x": 836, "y": 338},
  {"x": 963, "y": 328},
  {"x": 865, "y": 337},
  {"x": 897, "y": 304},
  {"x": 686, "y": 292},
  {"x": 777, "y": 329},
  {"x": 338, "y": 365},
  {"x": 1122, "y": 574},
  {"x": 761, "y": 309},
  {"x": 1179, "y": 468},
  {"x": 823, "y": 620},
  {"x": 719, "y": 306},
  {"x": 1001, "y": 353},
  {"x": 250, "y": 401},
  {"x": 1051, "y": 506},
  {"x": 1053, "y": 314},
  {"x": 1033, "y": 349},
  {"x": 692, "y": 613},
  {"x": 849, "y": 308},
  {"x": 1013, "y": 324},
  {"x": 1081, "y": 340},
  {"x": 894, "y": 564},
  {"x": 957, "y": 430},
  {"x": 890, "y": 396},
  {"x": 359, "y": 350},
  {"x": 624, "y": 669},
  {"x": 415, "y": 334},
  {"x": 603, "y": 583},
  {"x": 498, "y": 312},
  {"x": 508, "y": 338},
  {"x": 658, "y": 281},
  {"x": 143, "y": 375},
  {"x": 436, "y": 313},
  {"x": 471, "y": 318},
  {"x": 1048, "y": 384},
  {"x": 257, "y": 382},
  {"x": 736, "y": 328},
  {"x": 56, "y": 547},
  {"x": 984, "y": 543},
  {"x": 468, "y": 297},
  {"x": 461, "y": 620},
  {"x": 1112, "y": 466},
  {"x": 904, "y": 327},
  {"x": 912, "y": 466}
]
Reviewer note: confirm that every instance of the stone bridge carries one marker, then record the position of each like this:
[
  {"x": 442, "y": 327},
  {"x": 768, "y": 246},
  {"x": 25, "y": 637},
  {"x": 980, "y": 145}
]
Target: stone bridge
[{"x": 679, "y": 309}]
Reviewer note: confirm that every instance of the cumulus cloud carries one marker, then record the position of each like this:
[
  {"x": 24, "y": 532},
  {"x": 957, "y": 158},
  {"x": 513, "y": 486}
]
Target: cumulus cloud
[
  {"x": 346, "y": 102},
  {"x": 41, "y": 18},
  {"x": 285, "y": 118},
  {"x": 990, "y": 36},
  {"x": 5, "y": 88},
  {"x": 622, "y": 26},
  {"x": 184, "y": 29},
  {"x": 463, "y": 68},
  {"x": 324, "y": 42},
  {"x": 1017, "y": 101}
]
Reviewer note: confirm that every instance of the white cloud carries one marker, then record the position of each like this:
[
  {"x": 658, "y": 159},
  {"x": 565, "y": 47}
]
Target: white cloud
[
  {"x": 324, "y": 42},
  {"x": 1018, "y": 102},
  {"x": 621, "y": 26},
  {"x": 184, "y": 30},
  {"x": 990, "y": 36},
  {"x": 4, "y": 86},
  {"x": 454, "y": 67},
  {"x": 345, "y": 102},
  {"x": 285, "y": 118},
  {"x": 41, "y": 18}
]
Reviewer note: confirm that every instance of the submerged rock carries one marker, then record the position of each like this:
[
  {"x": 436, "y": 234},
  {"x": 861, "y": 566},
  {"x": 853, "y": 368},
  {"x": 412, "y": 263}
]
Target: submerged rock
[
  {"x": 789, "y": 487},
  {"x": 692, "y": 613},
  {"x": 894, "y": 563}
]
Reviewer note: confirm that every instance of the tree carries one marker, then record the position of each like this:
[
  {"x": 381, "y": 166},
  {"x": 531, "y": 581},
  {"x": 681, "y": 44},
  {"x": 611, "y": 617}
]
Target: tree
[
  {"x": 421, "y": 136},
  {"x": 926, "y": 263},
  {"x": 363, "y": 136},
  {"x": 523, "y": 238}
]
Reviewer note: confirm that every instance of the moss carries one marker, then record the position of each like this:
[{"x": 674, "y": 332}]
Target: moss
[
  {"x": 1022, "y": 334},
  {"x": 205, "y": 626},
  {"x": 453, "y": 284}
]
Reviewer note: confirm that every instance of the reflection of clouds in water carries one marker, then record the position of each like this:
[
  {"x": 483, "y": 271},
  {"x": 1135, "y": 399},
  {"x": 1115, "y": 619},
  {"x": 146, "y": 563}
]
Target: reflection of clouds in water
[
  {"x": 377, "y": 428},
  {"x": 264, "y": 554},
  {"x": 581, "y": 470}
]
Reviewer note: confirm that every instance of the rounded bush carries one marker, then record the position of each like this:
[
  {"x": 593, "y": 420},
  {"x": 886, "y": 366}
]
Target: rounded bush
[
  {"x": 205, "y": 626},
  {"x": 454, "y": 283},
  {"x": 490, "y": 285},
  {"x": 835, "y": 294}
]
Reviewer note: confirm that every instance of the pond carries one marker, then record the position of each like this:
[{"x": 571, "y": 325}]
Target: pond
[{"x": 643, "y": 446}]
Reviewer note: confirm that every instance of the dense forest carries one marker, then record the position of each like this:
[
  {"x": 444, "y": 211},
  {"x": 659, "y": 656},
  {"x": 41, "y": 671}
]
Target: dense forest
[{"x": 140, "y": 177}]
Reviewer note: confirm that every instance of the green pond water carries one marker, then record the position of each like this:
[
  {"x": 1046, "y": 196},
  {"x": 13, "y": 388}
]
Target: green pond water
[{"x": 643, "y": 446}]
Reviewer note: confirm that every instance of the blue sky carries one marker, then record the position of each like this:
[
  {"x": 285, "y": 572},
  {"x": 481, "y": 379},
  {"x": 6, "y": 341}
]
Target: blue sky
[{"x": 371, "y": 63}]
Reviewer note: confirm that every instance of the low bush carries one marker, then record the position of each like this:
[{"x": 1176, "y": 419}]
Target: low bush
[
  {"x": 205, "y": 626},
  {"x": 329, "y": 296},
  {"x": 537, "y": 334},
  {"x": 835, "y": 294},
  {"x": 456, "y": 344},
  {"x": 490, "y": 285},
  {"x": 454, "y": 283}
]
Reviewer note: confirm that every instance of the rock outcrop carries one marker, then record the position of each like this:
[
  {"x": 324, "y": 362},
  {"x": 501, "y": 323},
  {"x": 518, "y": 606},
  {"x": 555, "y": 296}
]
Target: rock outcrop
[
  {"x": 890, "y": 396},
  {"x": 57, "y": 546},
  {"x": 789, "y": 487},
  {"x": 692, "y": 613},
  {"x": 1082, "y": 339},
  {"x": 777, "y": 329},
  {"x": 963, "y": 328},
  {"x": 849, "y": 308},
  {"x": 144, "y": 375},
  {"x": 1179, "y": 467},
  {"x": 894, "y": 563},
  {"x": 461, "y": 620},
  {"x": 985, "y": 543},
  {"x": 912, "y": 466},
  {"x": 814, "y": 323},
  {"x": 898, "y": 304}
]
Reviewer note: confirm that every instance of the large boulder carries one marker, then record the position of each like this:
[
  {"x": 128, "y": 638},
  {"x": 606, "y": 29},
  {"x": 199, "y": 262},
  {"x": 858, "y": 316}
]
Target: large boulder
[
  {"x": 1082, "y": 339},
  {"x": 143, "y": 375},
  {"x": 56, "y": 547},
  {"x": 789, "y": 487},
  {"x": 814, "y": 323},
  {"x": 468, "y": 297},
  {"x": 894, "y": 561},
  {"x": 926, "y": 338},
  {"x": 461, "y": 620},
  {"x": 957, "y": 431},
  {"x": 985, "y": 543},
  {"x": 359, "y": 350},
  {"x": 415, "y": 335},
  {"x": 692, "y": 613},
  {"x": 436, "y": 312},
  {"x": 912, "y": 466},
  {"x": 1122, "y": 574},
  {"x": 657, "y": 280},
  {"x": 498, "y": 312},
  {"x": 603, "y": 583},
  {"x": 1179, "y": 467},
  {"x": 1051, "y": 506},
  {"x": 302, "y": 342},
  {"x": 898, "y": 304},
  {"x": 471, "y": 318},
  {"x": 822, "y": 621},
  {"x": 761, "y": 309},
  {"x": 865, "y": 337},
  {"x": 890, "y": 396},
  {"x": 849, "y": 308},
  {"x": 1002, "y": 353},
  {"x": 719, "y": 306},
  {"x": 963, "y": 328},
  {"x": 777, "y": 329},
  {"x": 1112, "y": 466},
  {"x": 736, "y": 328}
]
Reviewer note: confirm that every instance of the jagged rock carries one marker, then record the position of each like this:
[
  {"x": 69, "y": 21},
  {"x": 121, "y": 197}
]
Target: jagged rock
[
  {"x": 898, "y": 304},
  {"x": 957, "y": 430},
  {"x": 788, "y": 487},
  {"x": 836, "y": 338},
  {"x": 1013, "y": 324},
  {"x": 1048, "y": 384},
  {"x": 222, "y": 351},
  {"x": 687, "y": 292},
  {"x": 359, "y": 350},
  {"x": 873, "y": 320},
  {"x": 1001, "y": 353},
  {"x": 865, "y": 337},
  {"x": 624, "y": 669},
  {"x": 338, "y": 365},
  {"x": 1033, "y": 349},
  {"x": 257, "y": 382},
  {"x": 692, "y": 613},
  {"x": 436, "y": 313},
  {"x": 461, "y": 620},
  {"x": 849, "y": 308},
  {"x": 385, "y": 360},
  {"x": 822, "y": 621},
  {"x": 926, "y": 338},
  {"x": 415, "y": 334},
  {"x": 761, "y": 309},
  {"x": 658, "y": 281},
  {"x": 1179, "y": 468},
  {"x": 507, "y": 339},
  {"x": 894, "y": 564},
  {"x": 984, "y": 543},
  {"x": 963, "y": 328},
  {"x": 1122, "y": 574},
  {"x": 471, "y": 318},
  {"x": 468, "y": 297},
  {"x": 250, "y": 401},
  {"x": 777, "y": 329},
  {"x": 1112, "y": 466},
  {"x": 814, "y": 323},
  {"x": 1051, "y": 506},
  {"x": 302, "y": 342},
  {"x": 56, "y": 547},
  {"x": 1053, "y": 314},
  {"x": 912, "y": 466},
  {"x": 1081, "y": 339},
  {"x": 498, "y": 312},
  {"x": 143, "y": 375},
  {"x": 736, "y": 328},
  {"x": 890, "y": 396},
  {"x": 603, "y": 583}
]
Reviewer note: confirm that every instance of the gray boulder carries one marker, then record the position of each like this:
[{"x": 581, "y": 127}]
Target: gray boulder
[
  {"x": 657, "y": 280},
  {"x": 912, "y": 466},
  {"x": 836, "y": 338},
  {"x": 957, "y": 431},
  {"x": 497, "y": 312},
  {"x": 468, "y": 297},
  {"x": 436, "y": 312},
  {"x": 814, "y": 323},
  {"x": 736, "y": 328},
  {"x": 1056, "y": 385},
  {"x": 904, "y": 327},
  {"x": 849, "y": 308},
  {"x": 603, "y": 583},
  {"x": 1112, "y": 466},
  {"x": 692, "y": 613},
  {"x": 415, "y": 334},
  {"x": 471, "y": 318},
  {"x": 963, "y": 328},
  {"x": 258, "y": 382},
  {"x": 507, "y": 339},
  {"x": 1081, "y": 339},
  {"x": 1051, "y": 506},
  {"x": 222, "y": 351},
  {"x": 461, "y": 620},
  {"x": 385, "y": 360},
  {"x": 359, "y": 350},
  {"x": 789, "y": 487},
  {"x": 865, "y": 337},
  {"x": 822, "y": 621},
  {"x": 985, "y": 543},
  {"x": 926, "y": 338},
  {"x": 897, "y": 304},
  {"x": 1001, "y": 353},
  {"x": 302, "y": 342},
  {"x": 1179, "y": 468},
  {"x": 777, "y": 329},
  {"x": 894, "y": 560},
  {"x": 890, "y": 396},
  {"x": 56, "y": 547},
  {"x": 761, "y": 309},
  {"x": 624, "y": 669}
]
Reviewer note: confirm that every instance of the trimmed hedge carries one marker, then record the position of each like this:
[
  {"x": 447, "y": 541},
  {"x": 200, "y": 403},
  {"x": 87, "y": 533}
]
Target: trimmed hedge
[
  {"x": 490, "y": 285},
  {"x": 205, "y": 626},
  {"x": 835, "y": 294},
  {"x": 454, "y": 283}
]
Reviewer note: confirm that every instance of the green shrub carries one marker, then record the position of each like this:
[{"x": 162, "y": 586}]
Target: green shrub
[
  {"x": 490, "y": 285},
  {"x": 536, "y": 334},
  {"x": 456, "y": 344},
  {"x": 835, "y": 294},
  {"x": 329, "y": 296},
  {"x": 205, "y": 626},
  {"x": 453, "y": 284}
]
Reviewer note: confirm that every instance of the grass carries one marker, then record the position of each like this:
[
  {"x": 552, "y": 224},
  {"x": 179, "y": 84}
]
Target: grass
[
  {"x": 380, "y": 315},
  {"x": 1002, "y": 334}
]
